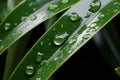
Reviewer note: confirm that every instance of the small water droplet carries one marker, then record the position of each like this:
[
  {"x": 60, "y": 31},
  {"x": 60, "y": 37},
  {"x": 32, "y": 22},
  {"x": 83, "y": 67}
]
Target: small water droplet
[
  {"x": 87, "y": 15},
  {"x": 95, "y": 6},
  {"x": 92, "y": 25},
  {"x": 43, "y": 62},
  {"x": 33, "y": 17},
  {"x": 74, "y": 16},
  {"x": 1, "y": 47},
  {"x": 29, "y": 70},
  {"x": 72, "y": 41},
  {"x": 49, "y": 44},
  {"x": 62, "y": 25},
  {"x": 55, "y": 58},
  {"x": 23, "y": 18},
  {"x": 60, "y": 38},
  {"x": 117, "y": 70},
  {"x": 31, "y": 4},
  {"x": 90, "y": 30},
  {"x": 64, "y": 1},
  {"x": 52, "y": 7},
  {"x": 7, "y": 26},
  {"x": 38, "y": 78},
  {"x": 39, "y": 57},
  {"x": 54, "y": 29},
  {"x": 86, "y": 36},
  {"x": 0, "y": 40},
  {"x": 101, "y": 16},
  {"x": 41, "y": 43}
]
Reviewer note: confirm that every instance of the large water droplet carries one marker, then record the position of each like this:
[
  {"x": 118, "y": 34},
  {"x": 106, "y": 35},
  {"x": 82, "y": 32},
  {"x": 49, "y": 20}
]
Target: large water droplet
[
  {"x": 39, "y": 57},
  {"x": 29, "y": 70},
  {"x": 52, "y": 7},
  {"x": 74, "y": 16},
  {"x": 64, "y": 1},
  {"x": 95, "y": 6},
  {"x": 34, "y": 17},
  {"x": 7, "y": 26},
  {"x": 60, "y": 38}
]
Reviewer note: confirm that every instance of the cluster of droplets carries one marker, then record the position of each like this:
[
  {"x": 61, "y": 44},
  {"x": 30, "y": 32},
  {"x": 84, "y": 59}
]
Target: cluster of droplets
[{"x": 60, "y": 38}]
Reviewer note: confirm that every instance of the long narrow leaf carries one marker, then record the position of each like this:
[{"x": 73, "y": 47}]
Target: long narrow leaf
[
  {"x": 52, "y": 46},
  {"x": 27, "y": 15}
]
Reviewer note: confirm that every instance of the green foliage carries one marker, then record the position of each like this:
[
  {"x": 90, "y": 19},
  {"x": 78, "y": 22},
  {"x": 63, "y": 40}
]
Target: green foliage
[{"x": 66, "y": 35}]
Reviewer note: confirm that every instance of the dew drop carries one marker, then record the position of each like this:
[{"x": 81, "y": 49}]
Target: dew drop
[
  {"x": 101, "y": 16},
  {"x": 34, "y": 17},
  {"x": 43, "y": 62},
  {"x": 72, "y": 41},
  {"x": 7, "y": 26},
  {"x": 74, "y": 16},
  {"x": 41, "y": 43},
  {"x": 92, "y": 25},
  {"x": 29, "y": 70},
  {"x": 86, "y": 36},
  {"x": 60, "y": 38},
  {"x": 38, "y": 78},
  {"x": 52, "y": 7},
  {"x": 23, "y": 18},
  {"x": 87, "y": 15},
  {"x": 39, "y": 57},
  {"x": 95, "y": 6},
  {"x": 64, "y": 1},
  {"x": 0, "y": 40}
]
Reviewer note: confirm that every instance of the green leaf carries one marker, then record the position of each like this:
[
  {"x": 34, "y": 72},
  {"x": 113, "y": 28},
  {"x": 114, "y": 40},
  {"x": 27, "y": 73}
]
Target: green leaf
[
  {"x": 64, "y": 38},
  {"x": 27, "y": 15}
]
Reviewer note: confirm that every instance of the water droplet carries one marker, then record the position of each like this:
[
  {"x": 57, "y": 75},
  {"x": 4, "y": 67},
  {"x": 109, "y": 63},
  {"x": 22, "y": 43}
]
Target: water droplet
[
  {"x": 29, "y": 70},
  {"x": 34, "y": 17},
  {"x": 54, "y": 29},
  {"x": 38, "y": 79},
  {"x": 23, "y": 18},
  {"x": 7, "y": 26},
  {"x": 95, "y": 6},
  {"x": 92, "y": 25},
  {"x": 87, "y": 15},
  {"x": 117, "y": 69},
  {"x": 55, "y": 58},
  {"x": 62, "y": 25},
  {"x": 101, "y": 16},
  {"x": 60, "y": 38},
  {"x": 49, "y": 44},
  {"x": 39, "y": 57},
  {"x": 43, "y": 62},
  {"x": 74, "y": 16},
  {"x": 52, "y": 7},
  {"x": 64, "y": 1},
  {"x": 86, "y": 36},
  {"x": 0, "y": 40},
  {"x": 41, "y": 43},
  {"x": 72, "y": 41}
]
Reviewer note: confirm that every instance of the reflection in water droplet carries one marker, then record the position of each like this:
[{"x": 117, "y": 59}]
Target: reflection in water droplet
[
  {"x": 29, "y": 70},
  {"x": 95, "y": 6},
  {"x": 74, "y": 16},
  {"x": 39, "y": 57},
  {"x": 7, "y": 26},
  {"x": 87, "y": 15},
  {"x": 52, "y": 7},
  {"x": 64, "y": 1},
  {"x": 60, "y": 38},
  {"x": 34, "y": 17}
]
